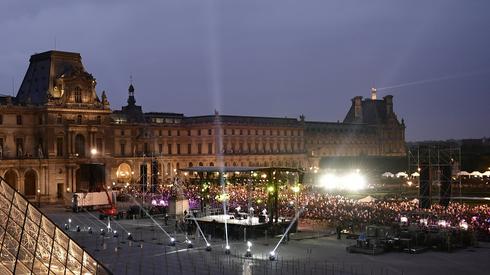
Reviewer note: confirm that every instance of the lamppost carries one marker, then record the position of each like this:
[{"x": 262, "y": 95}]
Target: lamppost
[{"x": 39, "y": 198}]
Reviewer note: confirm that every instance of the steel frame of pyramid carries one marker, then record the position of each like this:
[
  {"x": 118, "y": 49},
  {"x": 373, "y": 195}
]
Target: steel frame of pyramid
[{"x": 30, "y": 243}]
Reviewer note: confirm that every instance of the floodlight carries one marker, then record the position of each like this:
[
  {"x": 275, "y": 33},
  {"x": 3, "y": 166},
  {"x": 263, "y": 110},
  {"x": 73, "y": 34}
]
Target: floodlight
[
  {"x": 272, "y": 255},
  {"x": 464, "y": 225}
]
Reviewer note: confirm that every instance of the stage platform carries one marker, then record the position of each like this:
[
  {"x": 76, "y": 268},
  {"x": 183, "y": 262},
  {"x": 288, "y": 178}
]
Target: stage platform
[
  {"x": 250, "y": 226},
  {"x": 230, "y": 219}
]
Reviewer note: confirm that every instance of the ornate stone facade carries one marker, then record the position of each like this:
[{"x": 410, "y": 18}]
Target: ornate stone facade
[{"x": 57, "y": 123}]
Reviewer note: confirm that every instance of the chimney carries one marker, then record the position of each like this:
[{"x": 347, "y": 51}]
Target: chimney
[
  {"x": 357, "y": 104},
  {"x": 389, "y": 104},
  {"x": 373, "y": 93}
]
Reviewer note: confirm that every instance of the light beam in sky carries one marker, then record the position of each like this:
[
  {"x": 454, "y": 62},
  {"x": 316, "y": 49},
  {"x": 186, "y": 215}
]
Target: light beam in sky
[{"x": 436, "y": 79}]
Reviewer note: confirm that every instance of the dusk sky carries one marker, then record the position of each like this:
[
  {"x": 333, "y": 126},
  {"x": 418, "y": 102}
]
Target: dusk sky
[{"x": 271, "y": 57}]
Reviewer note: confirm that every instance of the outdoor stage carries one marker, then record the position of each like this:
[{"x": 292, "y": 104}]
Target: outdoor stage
[
  {"x": 230, "y": 219},
  {"x": 252, "y": 227}
]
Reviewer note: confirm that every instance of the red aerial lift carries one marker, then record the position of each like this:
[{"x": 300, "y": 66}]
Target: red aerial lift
[{"x": 110, "y": 209}]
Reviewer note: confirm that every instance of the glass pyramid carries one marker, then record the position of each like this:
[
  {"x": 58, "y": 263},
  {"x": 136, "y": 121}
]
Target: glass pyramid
[{"x": 30, "y": 243}]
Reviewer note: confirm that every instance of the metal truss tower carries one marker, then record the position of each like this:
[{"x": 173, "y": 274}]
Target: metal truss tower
[{"x": 437, "y": 166}]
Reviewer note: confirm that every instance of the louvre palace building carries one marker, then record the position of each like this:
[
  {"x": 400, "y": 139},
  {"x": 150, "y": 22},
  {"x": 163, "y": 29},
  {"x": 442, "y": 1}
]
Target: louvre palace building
[{"x": 58, "y": 125}]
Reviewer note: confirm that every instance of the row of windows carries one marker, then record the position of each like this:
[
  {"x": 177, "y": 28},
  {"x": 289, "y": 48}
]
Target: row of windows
[
  {"x": 209, "y": 132},
  {"x": 169, "y": 167},
  {"x": 79, "y": 146},
  {"x": 346, "y": 152},
  {"x": 79, "y": 119},
  {"x": 59, "y": 119},
  {"x": 170, "y": 150},
  {"x": 340, "y": 130},
  {"x": 18, "y": 119},
  {"x": 341, "y": 141},
  {"x": 177, "y": 132},
  {"x": 19, "y": 147},
  {"x": 226, "y": 148},
  {"x": 263, "y": 132},
  {"x": 289, "y": 163}
]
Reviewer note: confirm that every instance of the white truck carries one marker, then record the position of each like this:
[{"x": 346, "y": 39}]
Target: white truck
[{"x": 93, "y": 200}]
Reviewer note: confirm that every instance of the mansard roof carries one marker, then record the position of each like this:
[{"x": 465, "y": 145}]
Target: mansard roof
[
  {"x": 43, "y": 68},
  {"x": 373, "y": 112}
]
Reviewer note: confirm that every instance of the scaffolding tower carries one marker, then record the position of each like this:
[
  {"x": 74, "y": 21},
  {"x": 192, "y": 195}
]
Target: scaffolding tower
[{"x": 437, "y": 167}]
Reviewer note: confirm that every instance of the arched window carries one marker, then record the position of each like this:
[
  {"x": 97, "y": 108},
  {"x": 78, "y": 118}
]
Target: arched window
[
  {"x": 30, "y": 179},
  {"x": 123, "y": 172},
  {"x": 11, "y": 178}
]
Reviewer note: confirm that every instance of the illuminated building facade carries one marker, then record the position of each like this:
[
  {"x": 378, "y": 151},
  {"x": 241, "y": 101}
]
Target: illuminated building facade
[{"x": 57, "y": 123}]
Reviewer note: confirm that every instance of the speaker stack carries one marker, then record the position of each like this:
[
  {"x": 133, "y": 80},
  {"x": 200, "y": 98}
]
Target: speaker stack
[{"x": 425, "y": 187}]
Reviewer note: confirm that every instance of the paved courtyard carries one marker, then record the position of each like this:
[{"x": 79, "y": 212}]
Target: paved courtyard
[{"x": 305, "y": 253}]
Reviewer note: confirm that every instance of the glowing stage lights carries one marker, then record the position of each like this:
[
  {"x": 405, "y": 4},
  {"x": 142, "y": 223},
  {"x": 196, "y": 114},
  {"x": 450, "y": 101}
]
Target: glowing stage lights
[
  {"x": 172, "y": 241},
  {"x": 442, "y": 223},
  {"x": 463, "y": 225},
  {"x": 248, "y": 254},
  {"x": 351, "y": 182}
]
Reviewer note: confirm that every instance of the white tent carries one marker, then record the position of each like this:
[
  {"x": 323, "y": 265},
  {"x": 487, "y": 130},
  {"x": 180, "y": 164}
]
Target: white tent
[
  {"x": 416, "y": 174},
  {"x": 367, "y": 199},
  {"x": 476, "y": 174},
  {"x": 463, "y": 173},
  {"x": 401, "y": 174},
  {"x": 486, "y": 173},
  {"x": 388, "y": 175},
  {"x": 415, "y": 201}
]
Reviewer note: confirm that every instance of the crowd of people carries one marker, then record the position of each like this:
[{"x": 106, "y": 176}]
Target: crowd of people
[{"x": 328, "y": 209}]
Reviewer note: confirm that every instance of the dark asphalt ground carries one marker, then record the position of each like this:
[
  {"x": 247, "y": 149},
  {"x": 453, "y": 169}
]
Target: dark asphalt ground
[{"x": 303, "y": 254}]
